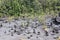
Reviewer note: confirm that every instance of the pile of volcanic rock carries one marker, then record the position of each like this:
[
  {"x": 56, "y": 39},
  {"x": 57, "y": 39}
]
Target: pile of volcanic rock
[
  {"x": 32, "y": 29},
  {"x": 53, "y": 24},
  {"x": 29, "y": 29}
]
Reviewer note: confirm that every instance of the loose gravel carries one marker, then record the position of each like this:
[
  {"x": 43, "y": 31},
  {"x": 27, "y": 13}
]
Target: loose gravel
[{"x": 27, "y": 29}]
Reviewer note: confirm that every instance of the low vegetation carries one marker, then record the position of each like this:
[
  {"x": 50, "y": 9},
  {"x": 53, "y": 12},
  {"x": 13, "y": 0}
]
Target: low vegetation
[{"x": 30, "y": 8}]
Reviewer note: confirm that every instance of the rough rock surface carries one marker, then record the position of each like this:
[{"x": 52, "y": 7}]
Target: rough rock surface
[{"x": 26, "y": 29}]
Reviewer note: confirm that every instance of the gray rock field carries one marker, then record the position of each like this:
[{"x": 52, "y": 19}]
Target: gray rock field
[{"x": 28, "y": 29}]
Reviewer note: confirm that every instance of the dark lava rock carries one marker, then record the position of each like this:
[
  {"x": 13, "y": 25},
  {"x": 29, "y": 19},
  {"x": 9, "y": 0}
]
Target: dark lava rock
[
  {"x": 55, "y": 21},
  {"x": 34, "y": 31},
  {"x": 28, "y": 37},
  {"x": 31, "y": 35},
  {"x": 55, "y": 30},
  {"x": 38, "y": 33},
  {"x": 1, "y": 25},
  {"x": 15, "y": 26},
  {"x": 46, "y": 33},
  {"x": 18, "y": 33}
]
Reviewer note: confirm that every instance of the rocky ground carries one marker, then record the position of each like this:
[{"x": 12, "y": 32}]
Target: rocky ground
[{"x": 27, "y": 29}]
